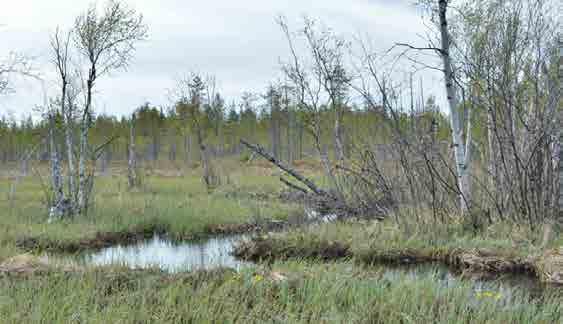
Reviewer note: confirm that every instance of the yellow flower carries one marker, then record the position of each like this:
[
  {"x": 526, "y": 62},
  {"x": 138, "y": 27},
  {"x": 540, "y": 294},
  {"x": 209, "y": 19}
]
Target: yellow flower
[
  {"x": 258, "y": 278},
  {"x": 488, "y": 294}
]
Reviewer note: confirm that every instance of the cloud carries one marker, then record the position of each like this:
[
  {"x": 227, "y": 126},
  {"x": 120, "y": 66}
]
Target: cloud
[{"x": 238, "y": 41}]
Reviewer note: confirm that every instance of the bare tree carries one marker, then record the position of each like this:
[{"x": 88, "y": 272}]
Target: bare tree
[
  {"x": 107, "y": 42},
  {"x": 60, "y": 51},
  {"x": 58, "y": 201},
  {"x": 132, "y": 161},
  {"x": 14, "y": 64},
  {"x": 316, "y": 87},
  {"x": 508, "y": 56},
  {"x": 327, "y": 53}
]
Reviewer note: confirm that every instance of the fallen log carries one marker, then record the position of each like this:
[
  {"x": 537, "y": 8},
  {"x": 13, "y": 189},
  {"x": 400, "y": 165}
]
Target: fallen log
[
  {"x": 299, "y": 177},
  {"x": 293, "y": 186}
]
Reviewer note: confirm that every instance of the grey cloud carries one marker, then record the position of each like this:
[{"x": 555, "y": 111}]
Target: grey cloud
[{"x": 238, "y": 41}]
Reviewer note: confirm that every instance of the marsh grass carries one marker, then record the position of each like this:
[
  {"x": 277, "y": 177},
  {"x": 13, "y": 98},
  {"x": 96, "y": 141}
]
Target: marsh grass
[
  {"x": 181, "y": 206},
  {"x": 314, "y": 288},
  {"x": 311, "y": 293},
  {"x": 385, "y": 237}
]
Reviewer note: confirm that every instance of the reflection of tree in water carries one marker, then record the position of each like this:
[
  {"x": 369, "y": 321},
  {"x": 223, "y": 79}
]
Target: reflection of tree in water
[{"x": 170, "y": 256}]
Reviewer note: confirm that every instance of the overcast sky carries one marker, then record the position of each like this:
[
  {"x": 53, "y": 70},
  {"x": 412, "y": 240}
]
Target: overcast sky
[{"x": 237, "y": 41}]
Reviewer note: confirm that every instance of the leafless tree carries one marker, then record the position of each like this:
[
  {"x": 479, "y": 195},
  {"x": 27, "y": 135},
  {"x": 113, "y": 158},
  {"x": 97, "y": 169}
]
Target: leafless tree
[
  {"x": 14, "y": 64},
  {"x": 106, "y": 40},
  {"x": 318, "y": 83},
  {"x": 61, "y": 58},
  {"x": 132, "y": 175}
]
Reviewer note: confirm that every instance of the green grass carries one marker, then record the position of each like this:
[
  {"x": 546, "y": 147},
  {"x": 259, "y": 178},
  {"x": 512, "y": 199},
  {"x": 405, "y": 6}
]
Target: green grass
[
  {"x": 315, "y": 290},
  {"x": 312, "y": 293},
  {"x": 181, "y": 205},
  {"x": 386, "y": 237}
]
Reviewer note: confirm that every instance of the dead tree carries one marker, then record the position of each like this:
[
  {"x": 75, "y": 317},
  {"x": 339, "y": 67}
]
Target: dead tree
[
  {"x": 315, "y": 87},
  {"x": 262, "y": 152},
  {"x": 190, "y": 93},
  {"x": 58, "y": 205},
  {"x": 327, "y": 53},
  {"x": 132, "y": 162}
]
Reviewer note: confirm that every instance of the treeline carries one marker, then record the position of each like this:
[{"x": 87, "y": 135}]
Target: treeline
[{"x": 165, "y": 134}]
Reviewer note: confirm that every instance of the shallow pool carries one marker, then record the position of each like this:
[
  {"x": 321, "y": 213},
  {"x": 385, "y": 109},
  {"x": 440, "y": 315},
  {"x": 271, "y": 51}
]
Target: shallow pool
[{"x": 160, "y": 252}]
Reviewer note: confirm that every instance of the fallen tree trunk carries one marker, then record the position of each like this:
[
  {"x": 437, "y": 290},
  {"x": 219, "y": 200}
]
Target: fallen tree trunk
[
  {"x": 262, "y": 152},
  {"x": 324, "y": 202}
]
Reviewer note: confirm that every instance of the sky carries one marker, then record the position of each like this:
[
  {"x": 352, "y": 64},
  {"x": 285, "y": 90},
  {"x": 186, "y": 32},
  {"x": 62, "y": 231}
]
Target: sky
[{"x": 238, "y": 42}]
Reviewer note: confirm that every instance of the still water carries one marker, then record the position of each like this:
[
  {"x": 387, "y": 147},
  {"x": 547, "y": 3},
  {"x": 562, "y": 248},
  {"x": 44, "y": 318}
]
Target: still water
[{"x": 160, "y": 252}]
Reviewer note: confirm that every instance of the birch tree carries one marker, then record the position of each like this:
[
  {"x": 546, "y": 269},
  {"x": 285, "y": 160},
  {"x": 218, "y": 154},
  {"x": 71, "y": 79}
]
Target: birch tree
[
  {"x": 106, "y": 41},
  {"x": 14, "y": 64},
  {"x": 560, "y": 137},
  {"x": 132, "y": 161},
  {"x": 462, "y": 150},
  {"x": 507, "y": 53},
  {"x": 61, "y": 58},
  {"x": 460, "y": 122},
  {"x": 58, "y": 201}
]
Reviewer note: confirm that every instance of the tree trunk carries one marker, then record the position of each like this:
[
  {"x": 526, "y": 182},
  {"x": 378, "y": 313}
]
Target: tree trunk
[
  {"x": 560, "y": 124},
  {"x": 187, "y": 149},
  {"x": 208, "y": 176},
  {"x": 307, "y": 182},
  {"x": 462, "y": 156},
  {"x": 339, "y": 144},
  {"x": 290, "y": 145},
  {"x": 57, "y": 209},
  {"x": 83, "y": 187},
  {"x": 70, "y": 159},
  {"x": 132, "y": 163}
]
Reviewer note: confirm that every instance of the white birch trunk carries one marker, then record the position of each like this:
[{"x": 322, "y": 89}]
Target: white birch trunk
[
  {"x": 338, "y": 135},
  {"x": 132, "y": 163},
  {"x": 560, "y": 124},
  {"x": 82, "y": 177},
  {"x": 83, "y": 188},
  {"x": 57, "y": 209},
  {"x": 462, "y": 156}
]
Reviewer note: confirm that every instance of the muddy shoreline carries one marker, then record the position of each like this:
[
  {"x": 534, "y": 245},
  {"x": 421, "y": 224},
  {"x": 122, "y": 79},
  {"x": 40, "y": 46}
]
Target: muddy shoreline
[
  {"x": 546, "y": 268},
  {"x": 140, "y": 233}
]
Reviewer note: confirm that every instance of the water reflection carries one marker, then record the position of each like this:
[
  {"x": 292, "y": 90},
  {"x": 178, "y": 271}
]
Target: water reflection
[
  {"x": 504, "y": 289},
  {"x": 161, "y": 253}
]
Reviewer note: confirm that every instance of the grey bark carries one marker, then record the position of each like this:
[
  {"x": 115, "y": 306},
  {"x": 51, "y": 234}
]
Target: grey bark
[
  {"x": 462, "y": 152},
  {"x": 132, "y": 163},
  {"x": 560, "y": 124},
  {"x": 260, "y": 151},
  {"x": 58, "y": 205},
  {"x": 60, "y": 51}
]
